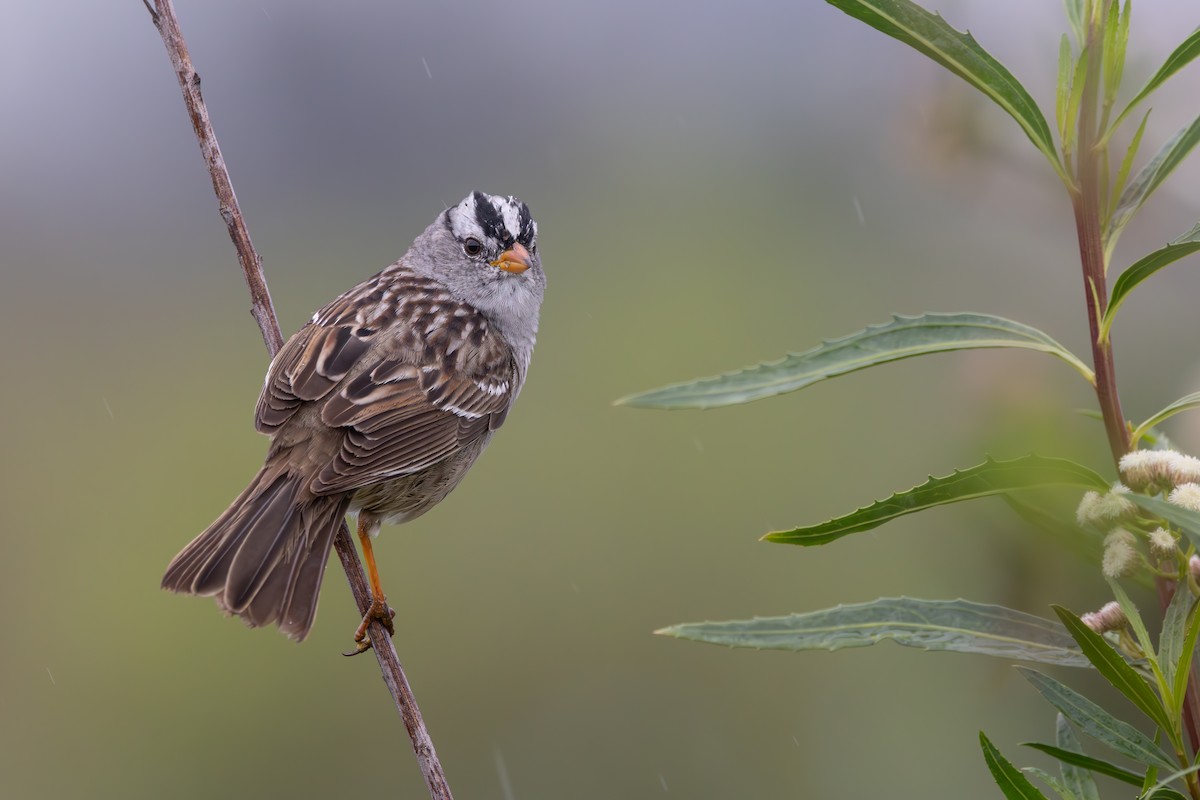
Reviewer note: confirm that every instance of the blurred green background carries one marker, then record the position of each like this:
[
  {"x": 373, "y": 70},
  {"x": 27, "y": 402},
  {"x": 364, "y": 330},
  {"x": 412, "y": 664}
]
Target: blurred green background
[{"x": 715, "y": 184}]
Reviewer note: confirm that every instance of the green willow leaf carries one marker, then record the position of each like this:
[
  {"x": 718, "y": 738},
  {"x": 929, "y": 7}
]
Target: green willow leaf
[
  {"x": 1174, "y": 634},
  {"x": 1167, "y": 794},
  {"x": 1122, "y": 177},
  {"x": 1113, "y": 666},
  {"x": 1054, "y": 783},
  {"x": 1151, "y": 176},
  {"x": 1010, "y": 780},
  {"x": 1142, "y": 269},
  {"x": 1139, "y": 630},
  {"x": 1098, "y": 723},
  {"x": 903, "y": 337},
  {"x": 1187, "y": 653},
  {"x": 1077, "y": 779},
  {"x": 1074, "y": 98},
  {"x": 1063, "y": 89},
  {"x": 1077, "y": 18},
  {"x": 1185, "y": 403},
  {"x": 1160, "y": 791},
  {"x": 945, "y": 625},
  {"x": 1193, "y": 234},
  {"x": 1187, "y": 521},
  {"x": 989, "y": 478},
  {"x": 1099, "y": 766},
  {"x": 958, "y": 52},
  {"x": 1116, "y": 40},
  {"x": 1179, "y": 58}
]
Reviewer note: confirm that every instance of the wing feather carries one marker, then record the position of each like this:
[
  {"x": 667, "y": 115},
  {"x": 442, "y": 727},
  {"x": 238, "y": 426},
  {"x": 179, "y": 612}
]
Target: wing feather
[{"x": 403, "y": 397}]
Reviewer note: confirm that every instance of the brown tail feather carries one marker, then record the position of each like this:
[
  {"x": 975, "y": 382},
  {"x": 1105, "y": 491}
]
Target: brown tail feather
[
  {"x": 265, "y": 556},
  {"x": 289, "y": 594}
]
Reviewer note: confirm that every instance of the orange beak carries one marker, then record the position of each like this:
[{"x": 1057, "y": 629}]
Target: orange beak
[{"x": 515, "y": 259}]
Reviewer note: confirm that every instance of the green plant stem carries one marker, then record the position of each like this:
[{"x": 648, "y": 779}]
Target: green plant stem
[
  {"x": 1086, "y": 201},
  {"x": 1088, "y": 204}
]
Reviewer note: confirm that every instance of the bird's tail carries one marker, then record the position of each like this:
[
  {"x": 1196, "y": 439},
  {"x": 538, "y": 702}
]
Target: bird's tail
[{"x": 263, "y": 559}]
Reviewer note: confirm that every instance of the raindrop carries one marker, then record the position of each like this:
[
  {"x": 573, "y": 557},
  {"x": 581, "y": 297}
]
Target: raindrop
[
  {"x": 862, "y": 219},
  {"x": 502, "y": 771}
]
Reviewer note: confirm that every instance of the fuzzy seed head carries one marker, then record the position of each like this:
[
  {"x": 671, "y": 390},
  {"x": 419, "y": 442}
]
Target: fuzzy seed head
[
  {"x": 1162, "y": 544},
  {"x": 1120, "y": 557},
  {"x": 1184, "y": 469},
  {"x": 1149, "y": 469},
  {"x": 1186, "y": 495},
  {"x": 1103, "y": 510},
  {"x": 1085, "y": 514},
  {"x": 1110, "y": 617},
  {"x": 1194, "y": 567}
]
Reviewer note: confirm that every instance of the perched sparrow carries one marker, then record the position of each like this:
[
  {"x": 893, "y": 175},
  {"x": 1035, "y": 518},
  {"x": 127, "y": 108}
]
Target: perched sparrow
[{"x": 379, "y": 405}]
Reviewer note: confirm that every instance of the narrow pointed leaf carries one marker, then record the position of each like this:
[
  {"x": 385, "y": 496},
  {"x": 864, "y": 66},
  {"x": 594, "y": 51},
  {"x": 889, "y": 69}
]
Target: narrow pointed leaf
[
  {"x": 1075, "y": 15},
  {"x": 1185, "y": 403},
  {"x": 1142, "y": 269},
  {"x": 989, "y": 478},
  {"x": 1187, "y": 654},
  {"x": 1098, "y": 723},
  {"x": 1116, "y": 38},
  {"x": 1010, "y": 780},
  {"x": 1179, "y": 58},
  {"x": 1054, "y": 783},
  {"x": 1065, "y": 74},
  {"x": 1174, "y": 634},
  {"x": 903, "y": 337},
  {"x": 1153, "y": 174},
  {"x": 1071, "y": 114},
  {"x": 1099, "y": 766},
  {"x": 1182, "y": 518},
  {"x": 1140, "y": 631},
  {"x": 1160, "y": 790},
  {"x": 948, "y": 625},
  {"x": 1148, "y": 779},
  {"x": 1076, "y": 778},
  {"x": 1113, "y": 666},
  {"x": 1191, "y": 236},
  {"x": 1122, "y": 178},
  {"x": 1163, "y": 698},
  {"x": 1166, "y": 794},
  {"x": 961, "y": 54}
]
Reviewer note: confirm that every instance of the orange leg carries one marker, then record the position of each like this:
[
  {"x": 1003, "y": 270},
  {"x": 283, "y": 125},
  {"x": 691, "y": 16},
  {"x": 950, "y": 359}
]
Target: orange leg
[
  {"x": 379, "y": 609},
  {"x": 364, "y": 538}
]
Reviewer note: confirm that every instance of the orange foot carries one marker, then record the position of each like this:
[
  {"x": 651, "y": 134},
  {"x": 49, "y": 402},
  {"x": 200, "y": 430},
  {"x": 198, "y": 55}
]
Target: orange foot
[{"x": 379, "y": 610}]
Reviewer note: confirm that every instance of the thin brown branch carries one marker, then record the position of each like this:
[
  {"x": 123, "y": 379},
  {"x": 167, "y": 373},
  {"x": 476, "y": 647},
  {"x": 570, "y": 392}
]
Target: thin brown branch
[
  {"x": 162, "y": 14},
  {"x": 393, "y": 673}
]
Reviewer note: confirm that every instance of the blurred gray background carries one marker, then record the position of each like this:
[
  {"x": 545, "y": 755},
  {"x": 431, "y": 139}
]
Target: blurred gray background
[{"x": 716, "y": 184}]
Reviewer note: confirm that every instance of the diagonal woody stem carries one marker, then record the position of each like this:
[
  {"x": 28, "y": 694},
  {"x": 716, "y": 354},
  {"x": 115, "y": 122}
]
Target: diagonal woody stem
[{"x": 162, "y": 13}]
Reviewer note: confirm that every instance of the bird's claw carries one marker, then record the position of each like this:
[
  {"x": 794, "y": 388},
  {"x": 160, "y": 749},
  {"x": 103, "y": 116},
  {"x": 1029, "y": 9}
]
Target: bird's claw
[
  {"x": 359, "y": 647},
  {"x": 380, "y": 611}
]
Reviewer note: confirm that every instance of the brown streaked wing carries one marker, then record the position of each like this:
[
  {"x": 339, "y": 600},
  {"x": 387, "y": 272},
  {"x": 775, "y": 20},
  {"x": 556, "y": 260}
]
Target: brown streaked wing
[
  {"x": 403, "y": 418},
  {"x": 308, "y": 367}
]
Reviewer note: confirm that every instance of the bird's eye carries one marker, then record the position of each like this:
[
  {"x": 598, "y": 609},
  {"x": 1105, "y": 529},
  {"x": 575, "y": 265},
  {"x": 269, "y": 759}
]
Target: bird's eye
[{"x": 472, "y": 246}]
